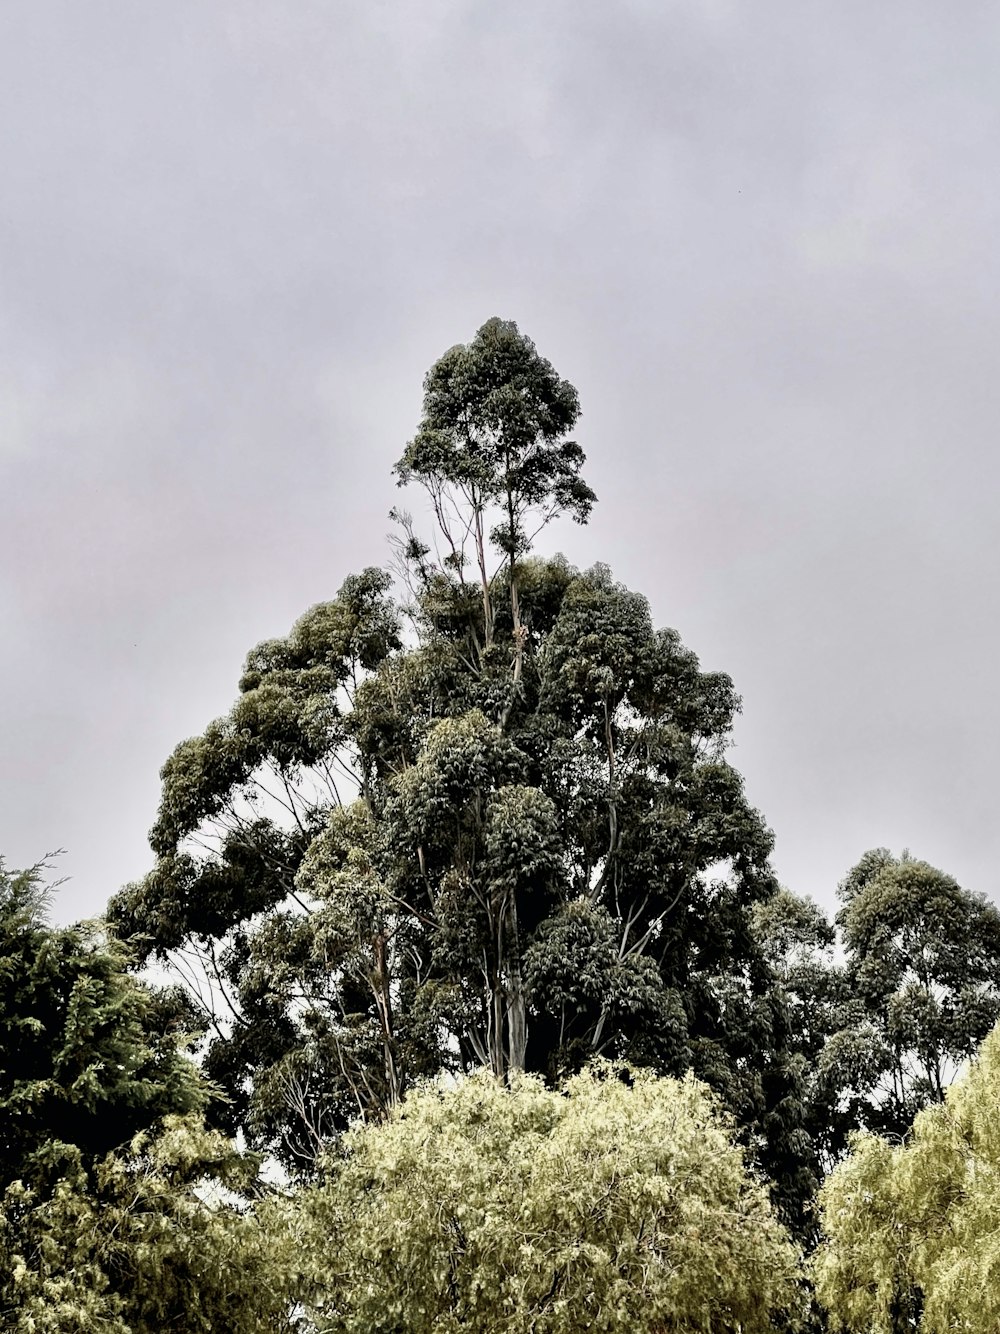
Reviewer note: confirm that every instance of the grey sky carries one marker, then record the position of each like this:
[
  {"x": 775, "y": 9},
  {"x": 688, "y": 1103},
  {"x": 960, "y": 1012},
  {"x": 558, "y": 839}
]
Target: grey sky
[{"x": 761, "y": 239}]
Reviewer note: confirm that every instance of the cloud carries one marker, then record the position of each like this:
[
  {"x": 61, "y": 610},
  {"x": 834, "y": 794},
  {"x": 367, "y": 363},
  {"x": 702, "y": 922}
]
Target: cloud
[{"x": 760, "y": 240}]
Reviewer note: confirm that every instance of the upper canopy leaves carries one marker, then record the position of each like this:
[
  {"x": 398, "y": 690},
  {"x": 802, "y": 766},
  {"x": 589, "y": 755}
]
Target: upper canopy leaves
[{"x": 494, "y": 424}]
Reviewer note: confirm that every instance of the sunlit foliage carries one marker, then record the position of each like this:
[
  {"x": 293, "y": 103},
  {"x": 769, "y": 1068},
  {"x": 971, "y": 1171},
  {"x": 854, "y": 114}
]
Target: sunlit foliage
[
  {"x": 913, "y": 1230},
  {"x": 616, "y": 1204}
]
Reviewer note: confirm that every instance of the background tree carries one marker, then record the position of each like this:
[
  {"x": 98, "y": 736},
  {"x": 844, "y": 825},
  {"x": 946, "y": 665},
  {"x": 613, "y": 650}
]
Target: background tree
[
  {"x": 782, "y": 1072},
  {"x": 104, "y": 1219},
  {"x": 870, "y": 1039},
  {"x": 923, "y": 968},
  {"x": 618, "y": 1203},
  {"x": 812, "y": 1003},
  {"x": 85, "y": 1058}
]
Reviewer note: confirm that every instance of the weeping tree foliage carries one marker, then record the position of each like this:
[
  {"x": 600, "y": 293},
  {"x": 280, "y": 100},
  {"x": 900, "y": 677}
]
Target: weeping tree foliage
[
  {"x": 147, "y": 1238},
  {"x": 616, "y": 1203},
  {"x": 912, "y": 1230},
  {"x": 492, "y": 826}
]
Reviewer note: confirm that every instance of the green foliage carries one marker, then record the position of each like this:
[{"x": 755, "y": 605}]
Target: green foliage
[
  {"x": 493, "y": 428},
  {"x": 85, "y": 1061},
  {"x": 923, "y": 964},
  {"x": 142, "y": 1240},
  {"x": 619, "y": 1203},
  {"x": 492, "y": 456},
  {"x": 105, "y": 1222},
  {"x": 508, "y": 837},
  {"x": 812, "y": 998},
  {"x": 517, "y": 887},
  {"x": 911, "y": 1230},
  {"x": 869, "y": 1041}
]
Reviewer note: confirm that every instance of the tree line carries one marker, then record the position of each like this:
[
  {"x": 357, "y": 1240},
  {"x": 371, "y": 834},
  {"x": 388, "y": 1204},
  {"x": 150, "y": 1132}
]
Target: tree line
[{"x": 474, "y": 936}]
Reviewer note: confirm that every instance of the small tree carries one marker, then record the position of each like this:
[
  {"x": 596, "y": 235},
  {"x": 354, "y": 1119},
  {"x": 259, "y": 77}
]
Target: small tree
[
  {"x": 618, "y": 1203},
  {"x": 85, "y": 1063},
  {"x": 149, "y": 1238}
]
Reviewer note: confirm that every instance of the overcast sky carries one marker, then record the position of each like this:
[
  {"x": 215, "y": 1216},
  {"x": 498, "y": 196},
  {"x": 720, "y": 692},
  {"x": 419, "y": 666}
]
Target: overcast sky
[{"x": 760, "y": 238}]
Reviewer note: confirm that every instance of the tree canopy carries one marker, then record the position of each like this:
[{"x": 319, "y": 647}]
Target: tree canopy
[
  {"x": 386, "y": 870},
  {"x": 472, "y": 928},
  {"x": 616, "y": 1203},
  {"x": 923, "y": 971}
]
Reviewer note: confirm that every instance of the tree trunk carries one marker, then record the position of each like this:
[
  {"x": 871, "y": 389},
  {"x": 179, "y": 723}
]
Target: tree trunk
[
  {"x": 496, "y": 1036},
  {"x": 520, "y": 634},
  {"x": 383, "y": 1003},
  {"x": 484, "y": 580},
  {"x": 517, "y": 1021}
]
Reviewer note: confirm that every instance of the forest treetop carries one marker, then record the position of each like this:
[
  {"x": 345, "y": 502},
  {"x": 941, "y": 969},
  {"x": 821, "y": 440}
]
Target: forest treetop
[{"x": 493, "y": 456}]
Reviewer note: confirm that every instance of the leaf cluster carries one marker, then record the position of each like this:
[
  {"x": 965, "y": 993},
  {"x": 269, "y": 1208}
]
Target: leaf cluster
[
  {"x": 616, "y": 1203},
  {"x": 88, "y": 1055},
  {"x": 911, "y": 1230},
  {"x": 149, "y": 1237}
]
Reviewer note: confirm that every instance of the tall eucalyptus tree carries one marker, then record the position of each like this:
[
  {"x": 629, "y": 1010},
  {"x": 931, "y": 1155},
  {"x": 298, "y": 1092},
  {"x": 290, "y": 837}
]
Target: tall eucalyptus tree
[{"x": 509, "y": 837}]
